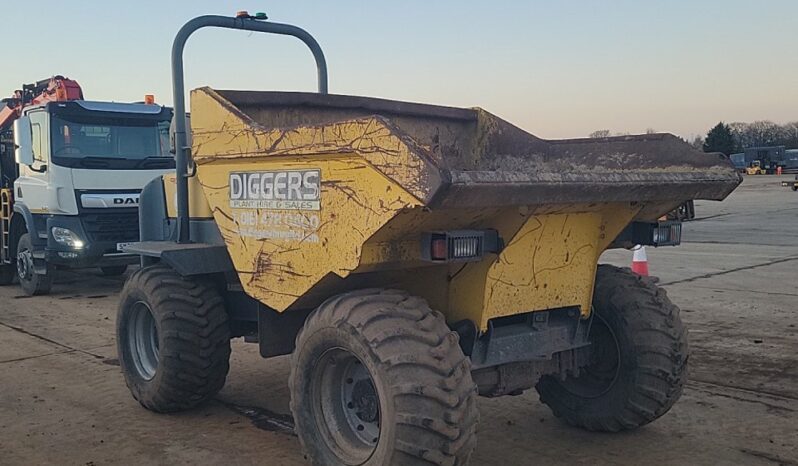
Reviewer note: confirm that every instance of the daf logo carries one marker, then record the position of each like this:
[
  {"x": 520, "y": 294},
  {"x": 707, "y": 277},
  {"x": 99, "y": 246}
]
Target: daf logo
[{"x": 109, "y": 200}]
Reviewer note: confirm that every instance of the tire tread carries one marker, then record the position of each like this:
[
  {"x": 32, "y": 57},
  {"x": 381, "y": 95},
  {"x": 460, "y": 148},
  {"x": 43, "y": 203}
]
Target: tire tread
[
  {"x": 423, "y": 360},
  {"x": 660, "y": 348},
  {"x": 194, "y": 334}
]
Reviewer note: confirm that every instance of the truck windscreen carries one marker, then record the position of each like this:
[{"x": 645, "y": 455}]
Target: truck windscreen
[{"x": 88, "y": 141}]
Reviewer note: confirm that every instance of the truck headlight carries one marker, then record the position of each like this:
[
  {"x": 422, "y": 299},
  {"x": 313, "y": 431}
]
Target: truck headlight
[{"x": 67, "y": 237}]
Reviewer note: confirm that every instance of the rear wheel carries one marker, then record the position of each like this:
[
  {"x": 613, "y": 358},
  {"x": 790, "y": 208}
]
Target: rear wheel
[
  {"x": 639, "y": 363},
  {"x": 113, "y": 270},
  {"x": 378, "y": 378},
  {"x": 173, "y": 339},
  {"x": 31, "y": 282}
]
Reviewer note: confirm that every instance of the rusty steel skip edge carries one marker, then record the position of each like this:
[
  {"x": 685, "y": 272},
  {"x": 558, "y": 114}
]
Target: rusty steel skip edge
[{"x": 388, "y": 171}]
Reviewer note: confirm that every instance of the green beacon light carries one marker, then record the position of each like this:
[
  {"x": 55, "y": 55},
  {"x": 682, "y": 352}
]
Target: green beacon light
[{"x": 260, "y": 16}]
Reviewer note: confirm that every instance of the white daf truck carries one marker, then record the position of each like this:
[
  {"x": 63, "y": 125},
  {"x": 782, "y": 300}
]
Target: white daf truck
[{"x": 70, "y": 175}]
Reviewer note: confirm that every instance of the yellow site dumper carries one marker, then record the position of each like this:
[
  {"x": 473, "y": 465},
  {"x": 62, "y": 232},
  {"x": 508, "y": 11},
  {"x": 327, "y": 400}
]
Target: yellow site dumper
[{"x": 410, "y": 257}]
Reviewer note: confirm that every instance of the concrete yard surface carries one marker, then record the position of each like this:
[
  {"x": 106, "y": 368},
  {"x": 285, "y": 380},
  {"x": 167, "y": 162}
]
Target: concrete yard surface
[{"x": 63, "y": 399}]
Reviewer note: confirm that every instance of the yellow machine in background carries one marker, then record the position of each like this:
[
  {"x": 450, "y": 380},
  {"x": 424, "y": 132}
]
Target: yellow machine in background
[
  {"x": 755, "y": 168},
  {"x": 409, "y": 257}
]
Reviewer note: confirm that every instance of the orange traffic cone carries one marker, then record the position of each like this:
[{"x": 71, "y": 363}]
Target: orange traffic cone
[{"x": 640, "y": 261}]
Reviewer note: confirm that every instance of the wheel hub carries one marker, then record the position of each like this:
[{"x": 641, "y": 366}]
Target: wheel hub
[
  {"x": 364, "y": 398},
  {"x": 142, "y": 340},
  {"x": 348, "y": 405},
  {"x": 599, "y": 376},
  {"x": 25, "y": 264}
]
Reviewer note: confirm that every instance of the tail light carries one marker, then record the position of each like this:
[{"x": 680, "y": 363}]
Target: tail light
[
  {"x": 459, "y": 245},
  {"x": 667, "y": 233}
]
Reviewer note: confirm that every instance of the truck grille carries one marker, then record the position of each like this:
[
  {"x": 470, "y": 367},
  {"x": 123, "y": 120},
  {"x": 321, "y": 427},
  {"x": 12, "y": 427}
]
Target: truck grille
[{"x": 117, "y": 227}]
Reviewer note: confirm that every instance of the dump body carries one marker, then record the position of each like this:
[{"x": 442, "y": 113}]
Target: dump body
[{"x": 317, "y": 194}]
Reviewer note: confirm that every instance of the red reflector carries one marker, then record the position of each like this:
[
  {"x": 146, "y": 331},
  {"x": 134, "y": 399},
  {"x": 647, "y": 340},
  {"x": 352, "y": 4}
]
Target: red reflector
[{"x": 438, "y": 248}]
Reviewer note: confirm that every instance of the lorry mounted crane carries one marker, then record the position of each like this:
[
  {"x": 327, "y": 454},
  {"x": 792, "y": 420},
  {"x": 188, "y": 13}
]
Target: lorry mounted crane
[
  {"x": 57, "y": 88},
  {"x": 70, "y": 175}
]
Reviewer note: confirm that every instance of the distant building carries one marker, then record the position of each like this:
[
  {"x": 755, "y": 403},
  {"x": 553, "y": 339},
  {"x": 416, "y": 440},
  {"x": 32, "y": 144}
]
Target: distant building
[
  {"x": 769, "y": 156},
  {"x": 791, "y": 159},
  {"x": 739, "y": 160},
  {"x": 765, "y": 154}
]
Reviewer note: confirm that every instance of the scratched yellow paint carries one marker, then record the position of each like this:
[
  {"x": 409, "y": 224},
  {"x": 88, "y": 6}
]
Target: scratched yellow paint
[
  {"x": 197, "y": 204},
  {"x": 355, "y": 201},
  {"x": 220, "y": 131},
  {"x": 549, "y": 263},
  {"x": 568, "y": 239},
  {"x": 356, "y": 198},
  {"x": 374, "y": 200}
]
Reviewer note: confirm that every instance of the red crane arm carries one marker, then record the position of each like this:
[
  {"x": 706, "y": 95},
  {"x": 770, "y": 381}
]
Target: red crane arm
[{"x": 55, "y": 89}]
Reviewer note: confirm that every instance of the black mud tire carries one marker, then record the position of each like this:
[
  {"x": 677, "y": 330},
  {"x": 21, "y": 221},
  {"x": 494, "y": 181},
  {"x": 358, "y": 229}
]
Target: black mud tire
[
  {"x": 113, "y": 270},
  {"x": 192, "y": 339},
  {"x": 32, "y": 283},
  {"x": 421, "y": 382},
  {"x": 647, "y": 336},
  {"x": 8, "y": 273}
]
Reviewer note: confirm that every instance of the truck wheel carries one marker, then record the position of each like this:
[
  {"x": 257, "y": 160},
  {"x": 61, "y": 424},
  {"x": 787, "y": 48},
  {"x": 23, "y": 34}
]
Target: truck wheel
[
  {"x": 113, "y": 270},
  {"x": 639, "y": 358},
  {"x": 173, "y": 339},
  {"x": 377, "y": 378},
  {"x": 31, "y": 282}
]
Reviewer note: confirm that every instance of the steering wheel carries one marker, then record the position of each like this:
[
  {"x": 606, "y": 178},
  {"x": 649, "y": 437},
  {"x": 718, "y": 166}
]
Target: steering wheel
[{"x": 73, "y": 147}]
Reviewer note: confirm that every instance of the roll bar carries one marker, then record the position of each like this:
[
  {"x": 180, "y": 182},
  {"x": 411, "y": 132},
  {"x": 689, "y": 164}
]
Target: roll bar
[{"x": 247, "y": 23}]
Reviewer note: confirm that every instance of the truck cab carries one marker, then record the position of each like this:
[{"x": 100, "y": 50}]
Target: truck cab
[{"x": 70, "y": 186}]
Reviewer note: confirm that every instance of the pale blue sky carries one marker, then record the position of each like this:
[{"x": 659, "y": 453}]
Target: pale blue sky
[{"x": 556, "y": 69}]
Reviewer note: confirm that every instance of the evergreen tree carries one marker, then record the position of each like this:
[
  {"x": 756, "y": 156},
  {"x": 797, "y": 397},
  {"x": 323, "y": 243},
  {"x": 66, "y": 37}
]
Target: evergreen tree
[{"x": 720, "y": 139}]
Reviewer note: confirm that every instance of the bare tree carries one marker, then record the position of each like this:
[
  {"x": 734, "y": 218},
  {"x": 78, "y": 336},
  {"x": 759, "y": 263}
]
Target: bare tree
[
  {"x": 764, "y": 133},
  {"x": 697, "y": 143},
  {"x": 740, "y": 134},
  {"x": 791, "y": 135},
  {"x": 602, "y": 133}
]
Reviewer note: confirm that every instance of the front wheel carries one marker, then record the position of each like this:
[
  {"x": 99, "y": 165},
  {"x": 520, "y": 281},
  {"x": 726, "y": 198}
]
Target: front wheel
[
  {"x": 639, "y": 363},
  {"x": 378, "y": 378},
  {"x": 173, "y": 339},
  {"x": 31, "y": 282}
]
